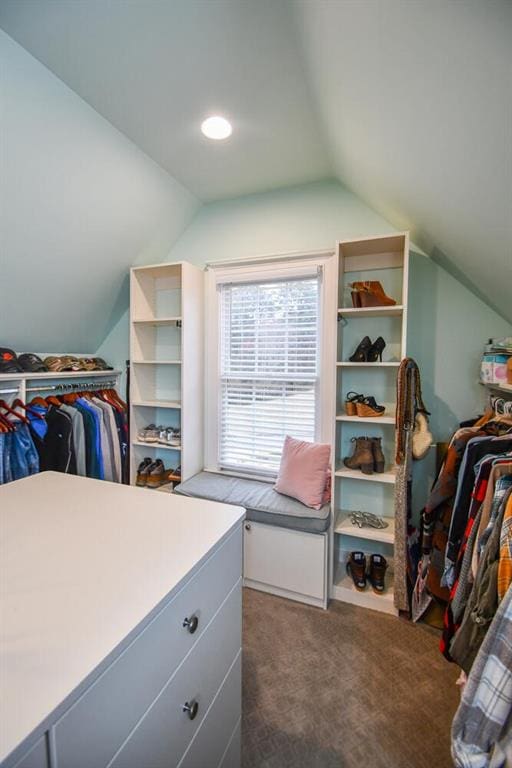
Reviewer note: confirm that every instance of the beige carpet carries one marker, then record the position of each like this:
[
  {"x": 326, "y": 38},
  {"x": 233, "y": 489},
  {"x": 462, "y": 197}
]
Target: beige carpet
[{"x": 345, "y": 687}]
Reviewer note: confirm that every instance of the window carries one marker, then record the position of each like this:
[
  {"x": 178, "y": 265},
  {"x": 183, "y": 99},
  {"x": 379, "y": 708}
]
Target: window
[
  {"x": 268, "y": 370},
  {"x": 269, "y": 359}
]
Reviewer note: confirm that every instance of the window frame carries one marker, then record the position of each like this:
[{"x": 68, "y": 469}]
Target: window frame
[{"x": 284, "y": 266}]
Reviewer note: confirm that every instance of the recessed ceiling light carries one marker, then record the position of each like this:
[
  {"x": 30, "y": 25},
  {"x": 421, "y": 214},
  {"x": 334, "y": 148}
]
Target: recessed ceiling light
[{"x": 216, "y": 127}]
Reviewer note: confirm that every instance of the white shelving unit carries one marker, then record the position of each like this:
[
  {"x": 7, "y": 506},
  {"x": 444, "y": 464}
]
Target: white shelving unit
[
  {"x": 385, "y": 259},
  {"x": 166, "y": 352}
]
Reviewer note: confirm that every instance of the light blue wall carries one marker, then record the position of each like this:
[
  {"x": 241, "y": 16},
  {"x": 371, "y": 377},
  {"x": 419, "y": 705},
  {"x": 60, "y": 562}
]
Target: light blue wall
[
  {"x": 79, "y": 203},
  {"x": 448, "y": 324}
]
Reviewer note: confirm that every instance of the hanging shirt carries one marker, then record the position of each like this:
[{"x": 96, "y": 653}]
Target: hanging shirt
[
  {"x": 113, "y": 441},
  {"x": 92, "y": 426},
  {"x": 55, "y": 451},
  {"x": 77, "y": 422}
]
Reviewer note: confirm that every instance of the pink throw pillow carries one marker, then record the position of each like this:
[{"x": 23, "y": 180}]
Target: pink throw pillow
[{"x": 303, "y": 471}]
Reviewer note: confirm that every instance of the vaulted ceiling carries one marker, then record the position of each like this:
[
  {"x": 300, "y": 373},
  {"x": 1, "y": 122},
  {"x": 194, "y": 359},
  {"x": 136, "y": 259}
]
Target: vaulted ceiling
[{"x": 408, "y": 103}]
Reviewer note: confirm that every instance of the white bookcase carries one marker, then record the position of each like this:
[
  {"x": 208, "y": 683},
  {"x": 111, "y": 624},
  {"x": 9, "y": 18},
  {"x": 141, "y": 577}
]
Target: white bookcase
[
  {"x": 385, "y": 259},
  {"x": 166, "y": 353}
]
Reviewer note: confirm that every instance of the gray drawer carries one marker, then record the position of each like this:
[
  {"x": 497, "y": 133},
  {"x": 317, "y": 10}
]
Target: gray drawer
[
  {"x": 95, "y": 727},
  {"x": 166, "y": 730},
  {"x": 37, "y": 757},
  {"x": 208, "y": 748}
]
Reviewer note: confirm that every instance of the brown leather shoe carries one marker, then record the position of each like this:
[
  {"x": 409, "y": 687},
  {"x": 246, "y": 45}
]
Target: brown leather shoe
[
  {"x": 157, "y": 474},
  {"x": 370, "y": 293},
  {"x": 377, "y": 573},
  {"x": 378, "y": 455},
  {"x": 356, "y": 567},
  {"x": 362, "y": 458},
  {"x": 142, "y": 472}
]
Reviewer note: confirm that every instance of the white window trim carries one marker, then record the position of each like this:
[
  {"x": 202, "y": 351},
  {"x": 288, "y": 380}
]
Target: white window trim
[{"x": 271, "y": 267}]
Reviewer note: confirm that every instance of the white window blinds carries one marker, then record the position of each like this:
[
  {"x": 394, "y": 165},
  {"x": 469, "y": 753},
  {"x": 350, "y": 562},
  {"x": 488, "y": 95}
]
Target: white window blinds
[{"x": 268, "y": 370}]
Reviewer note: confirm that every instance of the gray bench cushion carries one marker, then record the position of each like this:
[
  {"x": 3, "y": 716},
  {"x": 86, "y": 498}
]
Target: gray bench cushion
[{"x": 261, "y": 502}]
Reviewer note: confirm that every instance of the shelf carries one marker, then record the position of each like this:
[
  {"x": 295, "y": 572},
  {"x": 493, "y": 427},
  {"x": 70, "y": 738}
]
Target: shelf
[
  {"x": 348, "y": 364},
  {"x": 158, "y": 321},
  {"x": 393, "y": 311},
  {"x": 157, "y": 403},
  {"x": 343, "y": 589},
  {"x": 356, "y": 474},
  {"x": 142, "y": 444},
  {"x": 366, "y": 419},
  {"x": 55, "y": 375},
  {"x": 344, "y": 527},
  {"x": 156, "y": 362},
  {"x": 498, "y": 387}
]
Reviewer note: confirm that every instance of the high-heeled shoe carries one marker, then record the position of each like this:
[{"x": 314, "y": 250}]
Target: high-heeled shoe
[
  {"x": 352, "y": 400},
  {"x": 361, "y": 351},
  {"x": 375, "y": 351},
  {"x": 367, "y": 407}
]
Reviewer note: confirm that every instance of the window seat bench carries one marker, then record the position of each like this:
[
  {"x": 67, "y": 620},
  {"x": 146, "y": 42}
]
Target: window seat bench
[{"x": 285, "y": 543}]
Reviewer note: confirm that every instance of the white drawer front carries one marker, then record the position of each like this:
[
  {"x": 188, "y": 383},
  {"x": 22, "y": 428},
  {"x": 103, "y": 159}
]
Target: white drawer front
[
  {"x": 290, "y": 560},
  {"x": 209, "y": 745},
  {"x": 92, "y": 731},
  {"x": 165, "y": 732}
]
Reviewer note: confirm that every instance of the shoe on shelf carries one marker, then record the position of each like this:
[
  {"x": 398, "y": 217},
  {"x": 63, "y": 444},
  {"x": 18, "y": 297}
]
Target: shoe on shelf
[
  {"x": 142, "y": 472},
  {"x": 378, "y": 455},
  {"x": 367, "y": 407},
  {"x": 363, "y": 456},
  {"x": 174, "y": 437},
  {"x": 356, "y": 568},
  {"x": 149, "y": 434},
  {"x": 361, "y": 352},
  {"x": 377, "y": 573},
  {"x": 375, "y": 351},
  {"x": 351, "y": 401},
  {"x": 370, "y": 293},
  {"x": 156, "y": 474}
]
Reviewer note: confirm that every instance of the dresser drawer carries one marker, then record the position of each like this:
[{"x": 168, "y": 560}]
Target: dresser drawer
[
  {"x": 37, "y": 757},
  {"x": 208, "y": 748},
  {"x": 233, "y": 754},
  {"x": 166, "y": 730},
  {"x": 95, "y": 727}
]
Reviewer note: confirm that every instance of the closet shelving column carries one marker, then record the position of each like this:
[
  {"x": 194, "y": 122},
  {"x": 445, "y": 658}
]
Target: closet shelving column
[
  {"x": 166, "y": 353},
  {"x": 385, "y": 259}
]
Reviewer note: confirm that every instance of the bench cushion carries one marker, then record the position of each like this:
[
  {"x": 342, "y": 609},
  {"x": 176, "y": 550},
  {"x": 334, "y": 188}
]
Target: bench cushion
[{"x": 261, "y": 502}]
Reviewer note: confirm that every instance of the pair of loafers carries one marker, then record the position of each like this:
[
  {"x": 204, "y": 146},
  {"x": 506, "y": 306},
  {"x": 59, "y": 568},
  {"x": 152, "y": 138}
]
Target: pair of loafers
[{"x": 362, "y": 573}]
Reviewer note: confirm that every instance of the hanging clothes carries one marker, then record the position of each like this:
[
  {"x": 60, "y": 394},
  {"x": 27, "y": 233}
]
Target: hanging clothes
[{"x": 481, "y": 729}]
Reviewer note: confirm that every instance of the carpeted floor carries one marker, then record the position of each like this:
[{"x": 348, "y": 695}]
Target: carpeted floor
[{"x": 344, "y": 688}]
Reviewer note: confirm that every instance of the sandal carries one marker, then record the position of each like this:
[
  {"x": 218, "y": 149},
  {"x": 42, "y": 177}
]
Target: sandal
[
  {"x": 367, "y": 406},
  {"x": 351, "y": 401}
]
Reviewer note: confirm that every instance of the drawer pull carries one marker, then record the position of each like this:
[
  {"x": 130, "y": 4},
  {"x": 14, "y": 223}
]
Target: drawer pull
[
  {"x": 247, "y": 526},
  {"x": 191, "y": 624},
  {"x": 191, "y": 709}
]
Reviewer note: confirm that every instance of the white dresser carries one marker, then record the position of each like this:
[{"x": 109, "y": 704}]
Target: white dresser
[{"x": 120, "y": 627}]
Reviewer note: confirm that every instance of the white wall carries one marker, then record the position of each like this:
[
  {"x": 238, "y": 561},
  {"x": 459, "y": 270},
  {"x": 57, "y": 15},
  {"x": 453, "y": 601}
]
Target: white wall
[
  {"x": 79, "y": 203},
  {"x": 448, "y": 325}
]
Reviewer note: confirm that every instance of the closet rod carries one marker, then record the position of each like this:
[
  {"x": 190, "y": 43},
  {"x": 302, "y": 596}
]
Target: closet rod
[{"x": 66, "y": 387}]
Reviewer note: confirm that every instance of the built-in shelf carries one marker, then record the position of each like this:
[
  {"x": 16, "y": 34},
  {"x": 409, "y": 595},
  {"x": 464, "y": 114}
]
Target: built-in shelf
[
  {"x": 366, "y": 419},
  {"x": 344, "y": 589},
  {"x": 499, "y": 387},
  {"x": 58, "y": 375},
  {"x": 356, "y": 474},
  {"x": 156, "y": 362},
  {"x": 393, "y": 311},
  {"x": 157, "y": 403},
  {"x": 143, "y": 444},
  {"x": 348, "y": 364},
  {"x": 344, "y": 527},
  {"x": 158, "y": 321}
]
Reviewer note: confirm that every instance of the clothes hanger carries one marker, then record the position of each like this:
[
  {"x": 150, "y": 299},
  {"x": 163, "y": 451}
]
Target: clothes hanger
[
  {"x": 8, "y": 408},
  {"x": 39, "y": 401},
  {"x": 20, "y": 404},
  {"x": 5, "y": 424},
  {"x": 53, "y": 401}
]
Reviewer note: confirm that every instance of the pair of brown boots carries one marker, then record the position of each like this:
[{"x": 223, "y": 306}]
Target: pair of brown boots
[{"x": 368, "y": 455}]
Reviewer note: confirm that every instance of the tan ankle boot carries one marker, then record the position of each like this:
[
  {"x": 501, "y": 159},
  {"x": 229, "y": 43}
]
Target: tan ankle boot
[{"x": 362, "y": 458}]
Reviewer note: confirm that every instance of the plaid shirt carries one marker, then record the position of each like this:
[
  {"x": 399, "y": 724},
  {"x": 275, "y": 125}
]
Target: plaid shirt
[
  {"x": 482, "y": 727},
  {"x": 505, "y": 564}
]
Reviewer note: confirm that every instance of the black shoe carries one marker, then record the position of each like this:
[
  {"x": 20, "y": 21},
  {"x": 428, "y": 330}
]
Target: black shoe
[
  {"x": 356, "y": 567},
  {"x": 377, "y": 572},
  {"x": 361, "y": 352},
  {"x": 376, "y": 350}
]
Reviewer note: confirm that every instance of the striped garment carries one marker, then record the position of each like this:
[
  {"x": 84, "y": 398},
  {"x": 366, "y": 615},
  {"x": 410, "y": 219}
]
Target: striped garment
[
  {"x": 505, "y": 564},
  {"x": 482, "y": 727}
]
